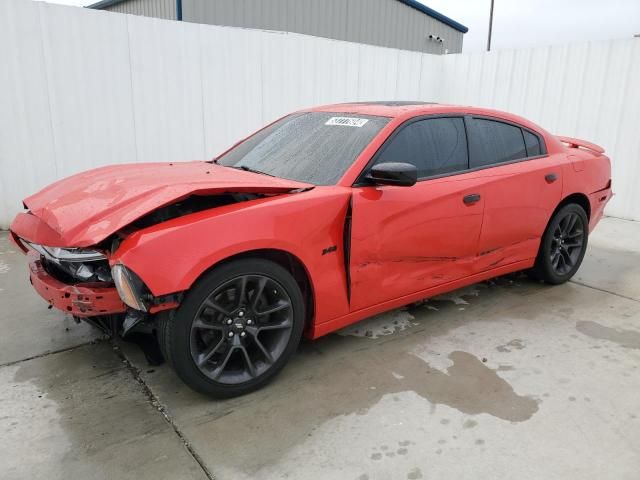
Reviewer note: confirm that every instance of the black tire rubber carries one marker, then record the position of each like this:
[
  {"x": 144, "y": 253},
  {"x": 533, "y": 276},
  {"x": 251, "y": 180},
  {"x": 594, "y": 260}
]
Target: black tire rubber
[
  {"x": 543, "y": 269},
  {"x": 162, "y": 320},
  {"x": 176, "y": 327}
]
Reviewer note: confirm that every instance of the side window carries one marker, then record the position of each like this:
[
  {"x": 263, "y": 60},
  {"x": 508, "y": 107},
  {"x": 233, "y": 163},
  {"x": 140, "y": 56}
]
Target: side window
[
  {"x": 532, "y": 143},
  {"x": 435, "y": 146},
  {"x": 493, "y": 142}
]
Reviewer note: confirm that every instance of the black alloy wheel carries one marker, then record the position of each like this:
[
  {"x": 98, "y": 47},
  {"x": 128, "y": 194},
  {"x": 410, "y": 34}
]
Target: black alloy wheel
[
  {"x": 563, "y": 245},
  {"x": 241, "y": 329},
  {"x": 236, "y": 328},
  {"x": 567, "y": 243}
]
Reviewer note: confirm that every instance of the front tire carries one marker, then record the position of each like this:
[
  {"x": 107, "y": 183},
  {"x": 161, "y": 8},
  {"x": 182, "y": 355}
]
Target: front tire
[
  {"x": 236, "y": 328},
  {"x": 563, "y": 245}
]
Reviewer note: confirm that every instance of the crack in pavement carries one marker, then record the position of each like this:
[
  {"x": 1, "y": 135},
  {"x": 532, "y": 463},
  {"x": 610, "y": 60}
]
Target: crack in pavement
[
  {"x": 53, "y": 352},
  {"x": 604, "y": 291},
  {"x": 155, "y": 403},
  {"x": 148, "y": 393},
  {"x": 153, "y": 399}
]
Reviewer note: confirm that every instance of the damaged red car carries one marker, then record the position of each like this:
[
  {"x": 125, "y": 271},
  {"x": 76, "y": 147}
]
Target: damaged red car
[{"x": 321, "y": 219}]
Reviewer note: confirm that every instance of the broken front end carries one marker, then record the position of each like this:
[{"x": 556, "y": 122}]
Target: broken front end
[
  {"x": 87, "y": 283},
  {"x": 81, "y": 282}
]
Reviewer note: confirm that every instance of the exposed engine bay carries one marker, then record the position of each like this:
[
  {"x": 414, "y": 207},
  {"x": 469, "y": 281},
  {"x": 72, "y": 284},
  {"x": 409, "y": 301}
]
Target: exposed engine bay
[
  {"x": 80, "y": 267},
  {"x": 192, "y": 204}
]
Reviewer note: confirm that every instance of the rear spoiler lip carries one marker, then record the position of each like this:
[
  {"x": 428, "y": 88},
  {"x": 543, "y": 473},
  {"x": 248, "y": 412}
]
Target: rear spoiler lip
[{"x": 576, "y": 142}]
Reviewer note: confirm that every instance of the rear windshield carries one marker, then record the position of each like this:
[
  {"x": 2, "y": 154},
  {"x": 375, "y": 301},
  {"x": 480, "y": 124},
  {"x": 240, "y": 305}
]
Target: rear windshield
[{"x": 310, "y": 147}]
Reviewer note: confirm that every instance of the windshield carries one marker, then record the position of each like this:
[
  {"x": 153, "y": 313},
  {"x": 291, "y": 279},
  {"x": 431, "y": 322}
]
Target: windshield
[{"x": 310, "y": 147}]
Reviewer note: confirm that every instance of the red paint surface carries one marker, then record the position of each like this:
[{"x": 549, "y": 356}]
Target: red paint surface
[
  {"x": 407, "y": 243},
  {"x": 85, "y": 208},
  {"x": 408, "y": 239},
  {"x": 575, "y": 143}
]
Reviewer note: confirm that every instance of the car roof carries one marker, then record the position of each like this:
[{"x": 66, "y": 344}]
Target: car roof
[
  {"x": 389, "y": 108},
  {"x": 406, "y": 109}
]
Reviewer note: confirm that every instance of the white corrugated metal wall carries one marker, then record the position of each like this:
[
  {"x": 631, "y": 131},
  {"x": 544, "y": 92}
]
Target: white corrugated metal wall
[{"x": 82, "y": 88}]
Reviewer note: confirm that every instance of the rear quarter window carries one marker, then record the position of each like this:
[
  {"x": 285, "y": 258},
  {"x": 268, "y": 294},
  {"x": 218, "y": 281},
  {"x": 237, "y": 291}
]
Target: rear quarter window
[{"x": 532, "y": 142}]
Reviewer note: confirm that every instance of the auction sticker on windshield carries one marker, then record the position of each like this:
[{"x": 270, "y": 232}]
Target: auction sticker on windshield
[{"x": 347, "y": 121}]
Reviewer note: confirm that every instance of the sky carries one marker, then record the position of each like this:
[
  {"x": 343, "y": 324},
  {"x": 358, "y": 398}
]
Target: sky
[{"x": 525, "y": 23}]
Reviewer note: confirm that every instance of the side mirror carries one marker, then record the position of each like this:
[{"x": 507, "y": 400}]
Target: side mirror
[{"x": 393, "y": 173}]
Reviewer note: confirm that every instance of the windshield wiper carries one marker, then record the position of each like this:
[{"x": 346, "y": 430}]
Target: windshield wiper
[{"x": 249, "y": 169}]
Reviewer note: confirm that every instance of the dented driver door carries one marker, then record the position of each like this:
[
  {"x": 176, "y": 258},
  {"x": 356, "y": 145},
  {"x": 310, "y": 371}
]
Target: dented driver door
[{"x": 408, "y": 239}]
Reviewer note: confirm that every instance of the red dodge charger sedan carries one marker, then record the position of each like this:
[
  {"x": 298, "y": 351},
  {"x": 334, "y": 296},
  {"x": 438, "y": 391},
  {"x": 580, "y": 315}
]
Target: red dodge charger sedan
[{"x": 322, "y": 218}]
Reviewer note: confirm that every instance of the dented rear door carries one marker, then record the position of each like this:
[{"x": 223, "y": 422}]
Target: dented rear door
[{"x": 522, "y": 184}]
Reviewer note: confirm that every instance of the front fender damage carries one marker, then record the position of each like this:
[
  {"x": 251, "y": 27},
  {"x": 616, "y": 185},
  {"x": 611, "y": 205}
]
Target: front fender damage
[{"x": 97, "y": 301}]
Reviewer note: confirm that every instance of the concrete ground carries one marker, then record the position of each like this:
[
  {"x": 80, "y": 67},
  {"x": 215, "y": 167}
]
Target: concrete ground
[{"x": 504, "y": 379}]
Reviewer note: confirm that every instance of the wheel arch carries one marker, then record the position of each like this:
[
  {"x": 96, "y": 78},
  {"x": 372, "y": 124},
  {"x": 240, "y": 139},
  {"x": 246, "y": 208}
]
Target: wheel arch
[
  {"x": 542, "y": 267},
  {"x": 577, "y": 198},
  {"x": 286, "y": 260}
]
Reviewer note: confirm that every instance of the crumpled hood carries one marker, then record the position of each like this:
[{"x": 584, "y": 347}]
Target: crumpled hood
[{"x": 88, "y": 207}]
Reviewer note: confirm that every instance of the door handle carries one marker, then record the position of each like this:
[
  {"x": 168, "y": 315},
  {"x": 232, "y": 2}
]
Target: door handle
[
  {"x": 471, "y": 198},
  {"x": 550, "y": 177}
]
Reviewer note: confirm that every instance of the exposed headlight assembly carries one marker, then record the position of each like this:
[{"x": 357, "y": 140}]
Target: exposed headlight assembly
[
  {"x": 131, "y": 289},
  {"x": 57, "y": 254}
]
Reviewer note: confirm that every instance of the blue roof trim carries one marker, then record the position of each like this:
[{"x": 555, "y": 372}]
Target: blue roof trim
[{"x": 437, "y": 15}]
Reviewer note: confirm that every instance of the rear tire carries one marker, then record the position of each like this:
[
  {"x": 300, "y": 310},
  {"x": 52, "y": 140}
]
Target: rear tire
[
  {"x": 563, "y": 245},
  {"x": 236, "y": 328}
]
